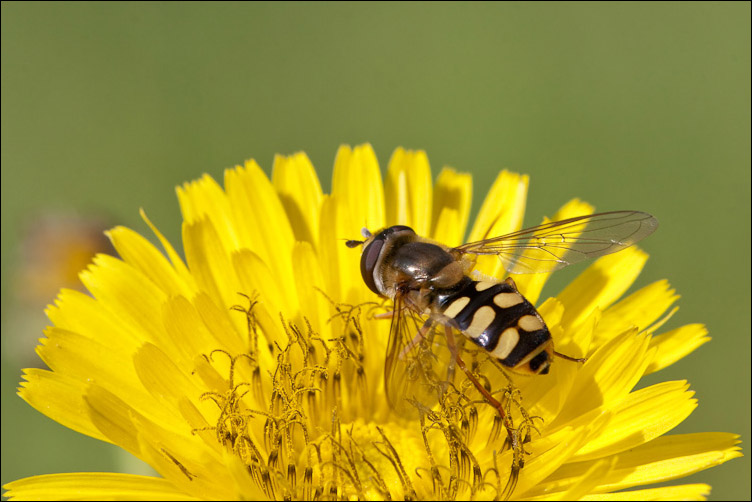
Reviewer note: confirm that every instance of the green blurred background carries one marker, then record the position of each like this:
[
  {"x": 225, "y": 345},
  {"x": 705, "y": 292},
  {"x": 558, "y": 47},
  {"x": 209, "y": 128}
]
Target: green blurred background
[{"x": 107, "y": 107}]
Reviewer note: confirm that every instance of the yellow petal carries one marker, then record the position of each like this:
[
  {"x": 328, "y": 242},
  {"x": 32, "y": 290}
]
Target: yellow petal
[
  {"x": 94, "y": 486},
  {"x": 408, "y": 190},
  {"x": 502, "y": 212},
  {"x": 601, "y": 284},
  {"x": 141, "y": 254},
  {"x": 300, "y": 193},
  {"x": 697, "y": 491},
  {"x": 503, "y": 208},
  {"x": 453, "y": 192},
  {"x": 588, "y": 481},
  {"x": 642, "y": 308},
  {"x": 174, "y": 257},
  {"x": 255, "y": 278},
  {"x": 608, "y": 375},
  {"x": 61, "y": 398},
  {"x": 114, "y": 418},
  {"x": 159, "y": 375},
  {"x": 340, "y": 264},
  {"x": 641, "y": 417},
  {"x": 662, "y": 459},
  {"x": 671, "y": 457},
  {"x": 76, "y": 356},
  {"x": 209, "y": 262},
  {"x": 310, "y": 289},
  {"x": 206, "y": 478},
  {"x": 265, "y": 229},
  {"x": 557, "y": 448},
  {"x": 447, "y": 228},
  {"x": 229, "y": 328},
  {"x": 549, "y": 394},
  {"x": 356, "y": 182},
  {"x": 80, "y": 313},
  {"x": 122, "y": 424},
  {"x": 186, "y": 331},
  {"x": 204, "y": 199},
  {"x": 675, "y": 344},
  {"x": 127, "y": 295}
]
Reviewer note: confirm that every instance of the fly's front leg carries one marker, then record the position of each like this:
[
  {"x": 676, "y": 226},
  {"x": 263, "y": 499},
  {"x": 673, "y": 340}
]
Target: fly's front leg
[
  {"x": 385, "y": 315},
  {"x": 417, "y": 338}
]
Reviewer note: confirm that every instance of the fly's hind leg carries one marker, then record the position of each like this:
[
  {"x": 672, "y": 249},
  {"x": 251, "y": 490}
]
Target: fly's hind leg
[
  {"x": 513, "y": 435},
  {"x": 570, "y": 358}
]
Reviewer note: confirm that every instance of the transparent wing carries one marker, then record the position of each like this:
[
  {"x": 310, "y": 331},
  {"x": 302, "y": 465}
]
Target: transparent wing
[
  {"x": 555, "y": 245},
  {"x": 416, "y": 359}
]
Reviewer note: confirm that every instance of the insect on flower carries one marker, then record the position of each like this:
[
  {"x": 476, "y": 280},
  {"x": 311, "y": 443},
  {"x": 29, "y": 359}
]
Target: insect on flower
[{"x": 431, "y": 287}]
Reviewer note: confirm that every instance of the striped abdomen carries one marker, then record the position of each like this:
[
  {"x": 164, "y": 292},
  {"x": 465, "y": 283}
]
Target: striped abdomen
[{"x": 499, "y": 319}]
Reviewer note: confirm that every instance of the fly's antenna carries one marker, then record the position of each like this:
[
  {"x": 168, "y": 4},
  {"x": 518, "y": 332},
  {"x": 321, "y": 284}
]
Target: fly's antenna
[{"x": 353, "y": 243}]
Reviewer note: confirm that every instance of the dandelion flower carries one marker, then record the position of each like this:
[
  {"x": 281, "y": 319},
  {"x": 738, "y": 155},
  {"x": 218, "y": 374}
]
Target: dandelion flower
[{"x": 247, "y": 369}]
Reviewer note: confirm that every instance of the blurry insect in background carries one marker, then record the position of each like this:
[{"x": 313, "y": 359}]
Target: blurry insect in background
[{"x": 431, "y": 288}]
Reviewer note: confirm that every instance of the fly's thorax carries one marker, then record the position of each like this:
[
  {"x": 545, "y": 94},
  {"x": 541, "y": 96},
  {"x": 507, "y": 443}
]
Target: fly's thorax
[
  {"x": 499, "y": 319},
  {"x": 418, "y": 261}
]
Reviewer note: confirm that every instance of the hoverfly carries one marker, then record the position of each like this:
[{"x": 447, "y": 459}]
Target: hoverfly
[{"x": 431, "y": 286}]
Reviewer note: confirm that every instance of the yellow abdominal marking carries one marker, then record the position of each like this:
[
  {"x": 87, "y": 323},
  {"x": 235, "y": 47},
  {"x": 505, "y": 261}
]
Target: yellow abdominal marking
[
  {"x": 456, "y": 306},
  {"x": 507, "y": 342},
  {"x": 506, "y": 300},
  {"x": 482, "y": 318},
  {"x": 530, "y": 323},
  {"x": 483, "y": 285}
]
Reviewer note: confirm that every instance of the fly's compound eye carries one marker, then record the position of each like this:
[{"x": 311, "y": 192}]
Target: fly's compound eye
[{"x": 368, "y": 261}]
